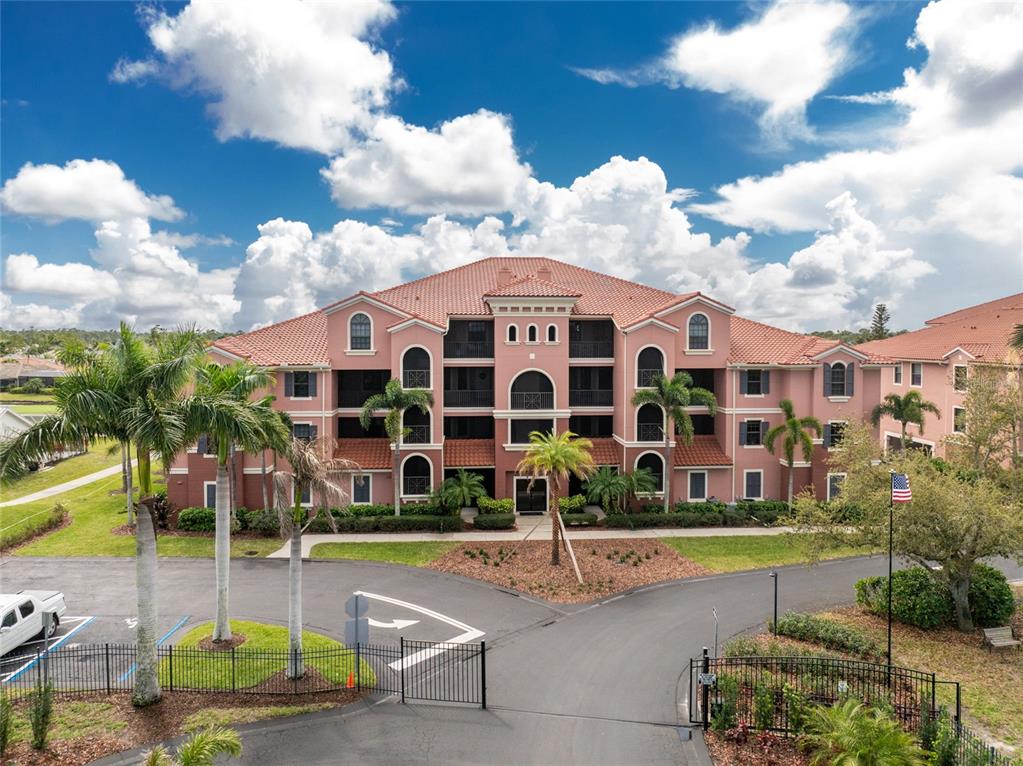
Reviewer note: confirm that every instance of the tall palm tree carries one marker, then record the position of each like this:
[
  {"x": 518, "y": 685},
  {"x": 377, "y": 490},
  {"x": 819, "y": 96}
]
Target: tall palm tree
[
  {"x": 313, "y": 468},
  {"x": 223, "y": 409},
  {"x": 130, "y": 394},
  {"x": 906, "y": 409},
  {"x": 673, "y": 395},
  {"x": 553, "y": 457},
  {"x": 395, "y": 400},
  {"x": 794, "y": 433}
]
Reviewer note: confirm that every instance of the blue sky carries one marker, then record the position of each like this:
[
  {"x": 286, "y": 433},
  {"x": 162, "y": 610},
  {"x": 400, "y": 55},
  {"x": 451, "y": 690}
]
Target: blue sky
[{"x": 565, "y": 87}]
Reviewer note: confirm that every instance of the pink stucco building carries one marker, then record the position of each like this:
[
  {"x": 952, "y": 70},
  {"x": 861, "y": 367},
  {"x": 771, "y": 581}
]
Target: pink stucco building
[{"x": 512, "y": 345}]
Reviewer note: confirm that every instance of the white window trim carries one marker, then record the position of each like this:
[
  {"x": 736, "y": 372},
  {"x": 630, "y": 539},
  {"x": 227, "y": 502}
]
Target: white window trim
[
  {"x": 967, "y": 377},
  {"x": 401, "y": 363},
  {"x": 417, "y": 445},
  {"x": 547, "y": 335},
  {"x": 763, "y": 433},
  {"x": 401, "y": 475},
  {"x": 635, "y": 423},
  {"x": 761, "y": 395},
  {"x": 834, "y": 422},
  {"x": 507, "y": 335},
  {"x": 303, "y": 505},
  {"x": 828, "y": 483},
  {"x": 698, "y": 351},
  {"x": 745, "y": 473},
  {"x": 956, "y": 409},
  {"x": 301, "y": 398},
  {"x": 689, "y": 487},
  {"x": 845, "y": 382},
  {"x": 901, "y": 374},
  {"x": 205, "y": 493},
  {"x": 372, "y": 336},
  {"x": 665, "y": 478},
  {"x": 635, "y": 366},
  {"x": 367, "y": 479},
  {"x": 536, "y": 328},
  {"x": 911, "y": 383}
]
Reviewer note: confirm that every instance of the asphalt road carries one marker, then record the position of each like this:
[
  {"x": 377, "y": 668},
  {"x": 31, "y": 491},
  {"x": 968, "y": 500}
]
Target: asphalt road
[{"x": 596, "y": 684}]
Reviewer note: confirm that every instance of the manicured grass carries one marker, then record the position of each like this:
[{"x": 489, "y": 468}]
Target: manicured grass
[
  {"x": 33, "y": 409},
  {"x": 734, "y": 554},
  {"x": 96, "y": 459},
  {"x": 95, "y": 512},
  {"x": 228, "y": 716},
  {"x": 214, "y": 670},
  {"x": 28, "y": 404},
  {"x": 73, "y": 720},
  {"x": 7, "y": 396},
  {"x": 414, "y": 554}
]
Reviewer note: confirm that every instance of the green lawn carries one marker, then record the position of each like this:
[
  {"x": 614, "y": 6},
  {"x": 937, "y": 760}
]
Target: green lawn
[
  {"x": 28, "y": 404},
  {"x": 33, "y": 409},
  {"x": 7, "y": 396},
  {"x": 734, "y": 554},
  {"x": 96, "y": 459},
  {"x": 95, "y": 512},
  {"x": 73, "y": 720},
  {"x": 414, "y": 554},
  {"x": 215, "y": 670}
]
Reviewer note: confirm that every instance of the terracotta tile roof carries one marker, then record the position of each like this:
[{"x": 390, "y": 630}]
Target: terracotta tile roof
[
  {"x": 704, "y": 450},
  {"x": 981, "y": 330},
  {"x": 368, "y": 453},
  {"x": 468, "y": 453},
  {"x": 757, "y": 343},
  {"x": 605, "y": 452},
  {"x": 533, "y": 287},
  {"x": 298, "y": 341}
]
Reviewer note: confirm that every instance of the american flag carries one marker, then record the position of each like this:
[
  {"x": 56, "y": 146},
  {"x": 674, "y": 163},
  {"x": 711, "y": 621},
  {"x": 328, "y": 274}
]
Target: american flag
[{"x": 901, "y": 493}]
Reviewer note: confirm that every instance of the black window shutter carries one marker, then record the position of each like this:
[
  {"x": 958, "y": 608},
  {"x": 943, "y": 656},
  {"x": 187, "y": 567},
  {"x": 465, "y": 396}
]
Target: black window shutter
[
  {"x": 827, "y": 379},
  {"x": 203, "y": 442},
  {"x": 827, "y": 434},
  {"x": 849, "y": 379},
  {"x": 743, "y": 382},
  {"x": 312, "y": 383},
  {"x": 289, "y": 384},
  {"x": 765, "y": 382},
  {"x": 742, "y": 432},
  {"x": 312, "y": 432}
]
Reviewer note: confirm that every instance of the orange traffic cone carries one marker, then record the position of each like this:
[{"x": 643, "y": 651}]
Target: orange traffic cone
[{"x": 351, "y": 680}]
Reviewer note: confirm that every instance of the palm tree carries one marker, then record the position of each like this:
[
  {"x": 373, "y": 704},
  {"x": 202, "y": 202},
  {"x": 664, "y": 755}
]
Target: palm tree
[
  {"x": 906, "y": 409},
  {"x": 850, "y": 732},
  {"x": 199, "y": 750},
  {"x": 314, "y": 469},
  {"x": 640, "y": 482},
  {"x": 222, "y": 408},
  {"x": 553, "y": 457},
  {"x": 395, "y": 400},
  {"x": 794, "y": 430},
  {"x": 1016, "y": 339},
  {"x": 673, "y": 395},
  {"x": 462, "y": 489},
  {"x": 607, "y": 487}
]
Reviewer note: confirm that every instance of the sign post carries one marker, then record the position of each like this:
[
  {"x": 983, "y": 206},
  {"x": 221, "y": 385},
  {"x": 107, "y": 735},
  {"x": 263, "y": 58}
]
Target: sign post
[{"x": 357, "y": 624}]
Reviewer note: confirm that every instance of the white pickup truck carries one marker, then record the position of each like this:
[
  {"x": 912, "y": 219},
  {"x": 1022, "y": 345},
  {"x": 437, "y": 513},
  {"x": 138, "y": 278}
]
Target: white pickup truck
[{"x": 22, "y": 616}]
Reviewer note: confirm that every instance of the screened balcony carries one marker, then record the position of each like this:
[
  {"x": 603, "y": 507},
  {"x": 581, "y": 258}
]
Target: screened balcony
[
  {"x": 415, "y": 368},
  {"x": 417, "y": 426},
  {"x": 590, "y": 386},
  {"x": 591, "y": 339},
  {"x": 650, "y": 423},
  {"x": 415, "y": 476},
  {"x": 532, "y": 390},
  {"x": 469, "y": 339},
  {"x": 468, "y": 386},
  {"x": 650, "y": 366}
]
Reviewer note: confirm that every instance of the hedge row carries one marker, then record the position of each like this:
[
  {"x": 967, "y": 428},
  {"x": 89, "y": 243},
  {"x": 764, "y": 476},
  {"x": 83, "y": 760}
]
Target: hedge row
[
  {"x": 685, "y": 519},
  {"x": 828, "y": 633},
  {"x": 746, "y": 513},
  {"x": 490, "y": 505},
  {"x": 410, "y": 523},
  {"x": 572, "y": 504},
  {"x": 579, "y": 519},
  {"x": 494, "y": 521}
]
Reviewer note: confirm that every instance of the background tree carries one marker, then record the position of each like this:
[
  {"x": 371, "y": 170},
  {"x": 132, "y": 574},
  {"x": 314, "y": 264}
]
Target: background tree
[
  {"x": 794, "y": 432},
  {"x": 395, "y": 400},
  {"x": 673, "y": 395},
  {"x": 314, "y": 469},
  {"x": 954, "y": 520},
  {"x": 553, "y": 457},
  {"x": 879, "y": 323},
  {"x": 905, "y": 409}
]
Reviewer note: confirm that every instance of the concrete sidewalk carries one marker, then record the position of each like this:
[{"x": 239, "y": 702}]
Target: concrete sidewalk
[
  {"x": 527, "y": 528},
  {"x": 58, "y": 489}
]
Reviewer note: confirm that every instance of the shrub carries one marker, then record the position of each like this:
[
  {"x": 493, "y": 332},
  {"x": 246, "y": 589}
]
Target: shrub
[
  {"x": 709, "y": 507},
  {"x": 6, "y": 722},
  {"x": 33, "y": 386},
  {"x": 40, "y": 713},
  {"x": 724, "y": 714},
  {"x": 263, "y": 522},
  {"x": 917, "y": 598},
  {"x": 490, "y": 505},
  {"x": 734, "y": 518},
  {"x": 765, "y": 512},
  {"x": 828, "y": 633},
  {"x": 763, "y": 707},
  {"x": 162, "y": 509},
  {"x": 797, "y": 708},
  {"x": 851, "y": 732},
  {"x": 411, "y": 523},
  {"x": 641, "y": 520},
  {"x": 653, "y": 508},
  {"x": 991, "y": 599},
  {"x": 742, "y": 646},
  {"x": 494, "y": 520},
  {"x": 572, "y": 504},
  {"x": 197, "y": 520},
  {"x": 580, "y": 519}
]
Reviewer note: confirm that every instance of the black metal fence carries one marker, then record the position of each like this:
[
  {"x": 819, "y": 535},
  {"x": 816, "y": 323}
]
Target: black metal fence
[
  {"x": 774, "y": 693},
  {"x": 415, "y": 670}
]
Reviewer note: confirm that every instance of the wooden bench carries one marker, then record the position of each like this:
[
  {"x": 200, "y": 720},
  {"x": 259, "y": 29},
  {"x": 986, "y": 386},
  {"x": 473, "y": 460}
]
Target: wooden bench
[{"x": 1000, "y": 638}]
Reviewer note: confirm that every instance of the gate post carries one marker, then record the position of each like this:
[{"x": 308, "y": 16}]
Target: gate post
[
  {"x": 358, "y": 666},
  {"x": 934, "y": 696},
  {"x": 705, "y": 706},
  {"x": 959, "y": 703},
  {"x": 402, "y": 645},
  {"x": 483, "y": 673}
]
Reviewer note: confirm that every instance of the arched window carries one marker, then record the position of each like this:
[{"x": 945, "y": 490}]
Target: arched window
[
  {"x": 417, "y": 426},
  {"x": 650, "y": 423},
  {"x": 552, "y": 333},
  {"x": 532, "y": 334},
  {"x": 649, "y": 365},
  {"x": 416, "y": 474},
  {"x": 513, "y": 333},
  {"x": 836, "y": 385},
  {"x": 360, "y": 336},
  {"x": 415, "y": 368},
  {"x": 699, "y": 332},
  {"x": 532, "y": 390},
  {"x": 655, "y": 464}
]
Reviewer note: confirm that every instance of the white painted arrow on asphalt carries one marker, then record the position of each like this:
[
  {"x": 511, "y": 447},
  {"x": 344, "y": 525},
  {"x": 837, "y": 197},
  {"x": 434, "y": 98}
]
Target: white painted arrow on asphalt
[{"x": 397, "y": 624}]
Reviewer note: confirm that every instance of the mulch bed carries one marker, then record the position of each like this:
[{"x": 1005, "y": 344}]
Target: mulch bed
[
  {"x": 156, "y": 723},
  {"x": 237, "y": 639},
  {"x": 741, "y": 748},
  {"x": 607, "y": 566}
]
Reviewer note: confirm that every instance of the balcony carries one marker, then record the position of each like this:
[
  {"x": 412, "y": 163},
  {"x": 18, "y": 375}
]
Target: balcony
[
  {"x": 591, "y": 349},
  {"x": 415, "y": 485},
  {"x": 416, "y": 435},
  {"x": 645, "y": 377},
  {"x": 590, "y": 398},
  {"x": 469, "y": 398},
  {"x": 532, "y": 400},
  {"x": 415, "y": 379},
  {"x": 468, "y": 349},
  {"x": 650, "y": 432}
]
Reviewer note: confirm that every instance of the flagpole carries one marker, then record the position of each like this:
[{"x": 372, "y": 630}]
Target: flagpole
[{"x": 891, "y": 545}]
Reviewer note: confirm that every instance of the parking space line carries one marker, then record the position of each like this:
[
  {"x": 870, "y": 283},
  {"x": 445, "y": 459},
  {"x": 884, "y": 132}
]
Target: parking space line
[
  {"x": 127, "y": 674},
  {"x": 55, "y": 645}
]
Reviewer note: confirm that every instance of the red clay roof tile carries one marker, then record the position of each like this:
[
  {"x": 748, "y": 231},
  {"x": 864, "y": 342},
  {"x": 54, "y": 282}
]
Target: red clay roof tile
[
  {"x": 605, "y": 452},
  {"x": 468, "y": 453},
  {"x": 368, "y": 453},
  {"x": 704, "y": 450}
]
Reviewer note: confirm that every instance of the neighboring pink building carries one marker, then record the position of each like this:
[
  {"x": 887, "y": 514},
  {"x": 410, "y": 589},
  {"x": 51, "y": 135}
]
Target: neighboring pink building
[
  {"x": 512, "y": 345},
  {"x": 937, "y": 360}
]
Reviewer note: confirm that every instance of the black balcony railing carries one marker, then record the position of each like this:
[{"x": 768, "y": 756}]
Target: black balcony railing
[
  {"x": 591, "y": 349},
  {"x": 650, "y": 432},
  {"x": 468, "y": 398},
  {"x": 415, "y": 485},
  {"x": 417, "y": 435},
  {"x": 415, "y": 379},
  {"x": 589, "y": 397},
  {"x": 646, "y": 378},
  {"x": 532, "y": 400},
  {"x": 468, "y": 349}
]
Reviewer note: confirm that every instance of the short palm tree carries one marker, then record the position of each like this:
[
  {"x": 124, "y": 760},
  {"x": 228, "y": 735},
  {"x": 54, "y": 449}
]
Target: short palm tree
[
  {"x": 905, "y": 409},
  {"x": 314, "y": 469},
  {"x": 200, "y": 749},
  {"x": 608, "y": 488},
  {"x": 673, "y": 395},
  {"x": 794, "y": 433},
  {"x": 850, "y": 733},
  {"x": 395, "y": 400},
  {"x": 462, "y": 489},
  {"x": 222, "y": 408},
  {"x": 553, "y": 457},
  {"x": 640, "y": 482}
]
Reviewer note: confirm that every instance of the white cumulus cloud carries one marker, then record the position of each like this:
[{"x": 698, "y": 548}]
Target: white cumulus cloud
[{"x": 24, "y": 273}]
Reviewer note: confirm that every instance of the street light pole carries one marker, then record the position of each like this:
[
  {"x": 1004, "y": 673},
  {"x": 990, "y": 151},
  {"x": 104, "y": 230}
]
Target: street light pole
[{"x": 774, "y": 624}]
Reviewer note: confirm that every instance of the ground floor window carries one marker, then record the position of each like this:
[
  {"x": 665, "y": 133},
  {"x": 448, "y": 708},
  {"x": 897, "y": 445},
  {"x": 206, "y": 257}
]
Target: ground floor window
[
  {"x": 697, "y": 485},
  {"x": 754, "y": 485},
  {"x": 362, "y": 488},
  {"x": 959, "y": 420},
  {"x": 307, "y": 496},
  {"x": 655, "y": 464},
  {"x": 209, "y": 490},
  {"x": 835, "y": 484}
]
